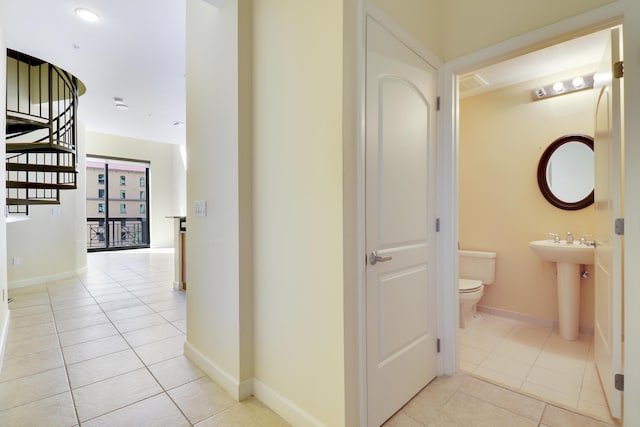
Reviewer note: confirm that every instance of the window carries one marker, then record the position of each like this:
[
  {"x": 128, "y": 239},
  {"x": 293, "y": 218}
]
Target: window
[{"x": 116, "y": 216}]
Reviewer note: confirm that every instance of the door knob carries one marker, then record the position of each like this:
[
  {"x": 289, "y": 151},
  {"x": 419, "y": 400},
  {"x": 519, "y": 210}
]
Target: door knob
[{"x": 374, "y": 258}]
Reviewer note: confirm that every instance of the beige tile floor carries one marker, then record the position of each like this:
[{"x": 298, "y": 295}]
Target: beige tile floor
[
  {"x": 106, "y": 349},
  {"x": 535, "y": 360},
  {"x": 465, "y": 401}
]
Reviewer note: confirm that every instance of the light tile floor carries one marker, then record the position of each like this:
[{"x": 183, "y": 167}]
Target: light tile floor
[
  {"x": 106, "y": 349},
  {"x": 465, "y": 401},
  {"x": 535, "y": 360}
]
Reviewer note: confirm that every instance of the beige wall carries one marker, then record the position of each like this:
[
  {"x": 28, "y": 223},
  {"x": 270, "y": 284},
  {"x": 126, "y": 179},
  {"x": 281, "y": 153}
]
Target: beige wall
[
  {"x": 219, "y": 319},
  {"x": 420, "y": 18},
  {"x": 453, "y": 28},
  {"x": 180, "y": 180},
  {"x": 502, "y": 137},
  {"x": 276, "y": 168},
  {"x": 162, "y": 187},
  {"x": 471, "y": 25},
  {"x": 52, "y": 242},
  {"x": 299, "y": 322}
]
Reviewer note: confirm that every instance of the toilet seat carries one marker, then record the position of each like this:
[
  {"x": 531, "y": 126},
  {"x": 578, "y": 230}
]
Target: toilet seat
[{"x": 468, "y": 285}]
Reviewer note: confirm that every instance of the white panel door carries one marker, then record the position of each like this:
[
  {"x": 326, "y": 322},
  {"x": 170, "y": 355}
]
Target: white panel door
[
  {"x": 608, "y": 149},
  {"x": 400, "y": 223}
]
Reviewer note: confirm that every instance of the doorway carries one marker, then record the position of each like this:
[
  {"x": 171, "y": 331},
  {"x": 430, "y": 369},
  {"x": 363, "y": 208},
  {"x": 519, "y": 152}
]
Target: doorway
[{"x": 503, "y": 131}]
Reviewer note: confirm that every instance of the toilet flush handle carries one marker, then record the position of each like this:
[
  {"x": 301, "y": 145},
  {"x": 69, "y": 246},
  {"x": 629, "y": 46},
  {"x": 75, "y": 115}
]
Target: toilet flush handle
[{"x": 374, "y": 258}]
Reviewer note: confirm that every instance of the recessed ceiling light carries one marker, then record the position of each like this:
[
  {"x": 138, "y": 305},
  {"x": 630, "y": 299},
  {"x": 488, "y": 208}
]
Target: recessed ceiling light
[
  {"x": 120, "y": 105},
  {"x": 87, "y": 15}
]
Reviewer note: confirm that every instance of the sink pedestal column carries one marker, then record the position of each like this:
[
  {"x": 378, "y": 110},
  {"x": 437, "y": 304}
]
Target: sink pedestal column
[{"x": 568, "y": 300}]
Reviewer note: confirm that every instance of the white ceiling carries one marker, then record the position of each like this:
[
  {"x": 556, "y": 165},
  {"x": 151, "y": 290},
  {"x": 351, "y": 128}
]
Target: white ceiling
[
  {"x": 136, "y": 51},
  {"x": 580, "y": 52}
]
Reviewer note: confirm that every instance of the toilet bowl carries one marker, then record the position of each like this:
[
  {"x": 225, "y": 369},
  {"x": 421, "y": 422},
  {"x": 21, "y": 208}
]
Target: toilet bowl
[
  {"x": 470, "y": 293},
  {"x": 477, "y": 269}
]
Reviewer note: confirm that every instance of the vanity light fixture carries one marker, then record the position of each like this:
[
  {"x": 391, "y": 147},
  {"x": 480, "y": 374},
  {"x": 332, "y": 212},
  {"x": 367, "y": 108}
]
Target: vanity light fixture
[
  {"x": 578, "y": 82},
  {"x": 563, "y": 87},
  {"x": 87, "y": 14},
  {"x": 558, "y": 87}
]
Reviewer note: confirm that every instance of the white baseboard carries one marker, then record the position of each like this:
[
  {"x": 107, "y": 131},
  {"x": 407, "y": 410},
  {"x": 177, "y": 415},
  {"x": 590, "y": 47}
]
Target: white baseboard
[
  {"x": 4, "y": 333},
  {"x": 15, "y": 284},
  {"x": 283, "y": 406},
  {"x": 251, "y": 387},
  {"x": 527, "y": 318},
  {"x": 236, "y": 389}
]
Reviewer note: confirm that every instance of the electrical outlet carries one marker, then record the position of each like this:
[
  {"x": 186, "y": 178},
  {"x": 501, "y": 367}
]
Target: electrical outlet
[{"x": 16, "y": 260}]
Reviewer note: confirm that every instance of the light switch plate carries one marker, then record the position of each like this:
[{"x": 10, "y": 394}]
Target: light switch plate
[{"x": 200, "y": 208}]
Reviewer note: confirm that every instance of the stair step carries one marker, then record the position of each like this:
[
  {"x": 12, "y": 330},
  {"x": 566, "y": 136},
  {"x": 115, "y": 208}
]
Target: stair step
[
  {"x": 40, "y": 185},
  {"x": 36, "y": 147},
  {"x": 30, "y": 167},
  {"x": 22, "y": 202},
  {"x": 23, "y": 125}
]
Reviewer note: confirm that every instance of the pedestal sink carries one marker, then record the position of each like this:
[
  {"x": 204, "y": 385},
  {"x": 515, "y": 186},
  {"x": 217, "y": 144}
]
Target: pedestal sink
[{"x": 568, "y": 257}]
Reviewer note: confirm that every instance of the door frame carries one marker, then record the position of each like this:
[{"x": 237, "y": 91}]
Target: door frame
[
  {"x": 621, "y": 11},
  {"x": 607, "y": 16}
]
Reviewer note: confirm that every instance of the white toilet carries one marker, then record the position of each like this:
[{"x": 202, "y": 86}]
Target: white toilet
[{"x": 476, "y": 269}]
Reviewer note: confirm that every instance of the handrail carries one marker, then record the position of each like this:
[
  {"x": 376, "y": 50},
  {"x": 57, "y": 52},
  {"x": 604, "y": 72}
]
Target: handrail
[
  {"x": 41, "y": 109},
  {"x": 62, "y": 120}
]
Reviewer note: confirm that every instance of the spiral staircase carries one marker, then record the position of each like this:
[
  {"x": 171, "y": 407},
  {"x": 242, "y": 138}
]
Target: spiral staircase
[{"x": 41, "y": 132}]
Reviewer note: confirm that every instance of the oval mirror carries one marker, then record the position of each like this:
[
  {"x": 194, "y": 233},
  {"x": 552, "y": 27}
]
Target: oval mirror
[{"x": 566, "y": 172}]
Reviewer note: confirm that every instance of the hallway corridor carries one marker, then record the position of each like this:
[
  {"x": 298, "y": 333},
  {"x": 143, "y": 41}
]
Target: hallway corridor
[{"x": 106, "y": 349}]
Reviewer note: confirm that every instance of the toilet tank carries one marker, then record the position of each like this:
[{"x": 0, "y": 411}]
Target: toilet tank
[{"x": 478, "y": 265}]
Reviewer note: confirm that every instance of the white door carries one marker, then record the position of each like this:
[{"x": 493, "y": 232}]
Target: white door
[
  {"x": 608, "y": 206},
  {"x": 400, "y": 223}
]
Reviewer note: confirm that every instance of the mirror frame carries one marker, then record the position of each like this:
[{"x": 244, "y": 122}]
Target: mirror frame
[{"x": 542, "y": 173}]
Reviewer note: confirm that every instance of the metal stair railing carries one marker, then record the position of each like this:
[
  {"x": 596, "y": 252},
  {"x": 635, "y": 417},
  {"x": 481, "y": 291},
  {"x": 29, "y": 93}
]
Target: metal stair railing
[{"x": 41, "y": 131}]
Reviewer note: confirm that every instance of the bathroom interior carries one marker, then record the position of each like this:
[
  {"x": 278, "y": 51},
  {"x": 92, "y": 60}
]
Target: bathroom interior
[{"x": 503, "y": 133}]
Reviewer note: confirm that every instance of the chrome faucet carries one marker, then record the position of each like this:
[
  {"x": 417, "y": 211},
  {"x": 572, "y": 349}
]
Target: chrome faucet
[
  {"x": 569, "y": 238},
  {"x": 556, "y": 238},
  {"x": 583, "y": 238}
]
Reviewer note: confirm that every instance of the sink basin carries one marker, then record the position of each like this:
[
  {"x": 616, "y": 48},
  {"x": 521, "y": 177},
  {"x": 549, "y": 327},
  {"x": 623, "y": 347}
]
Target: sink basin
[
  {"x": 568, "y": 258},
  {"x": 574, "y": 253}
]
